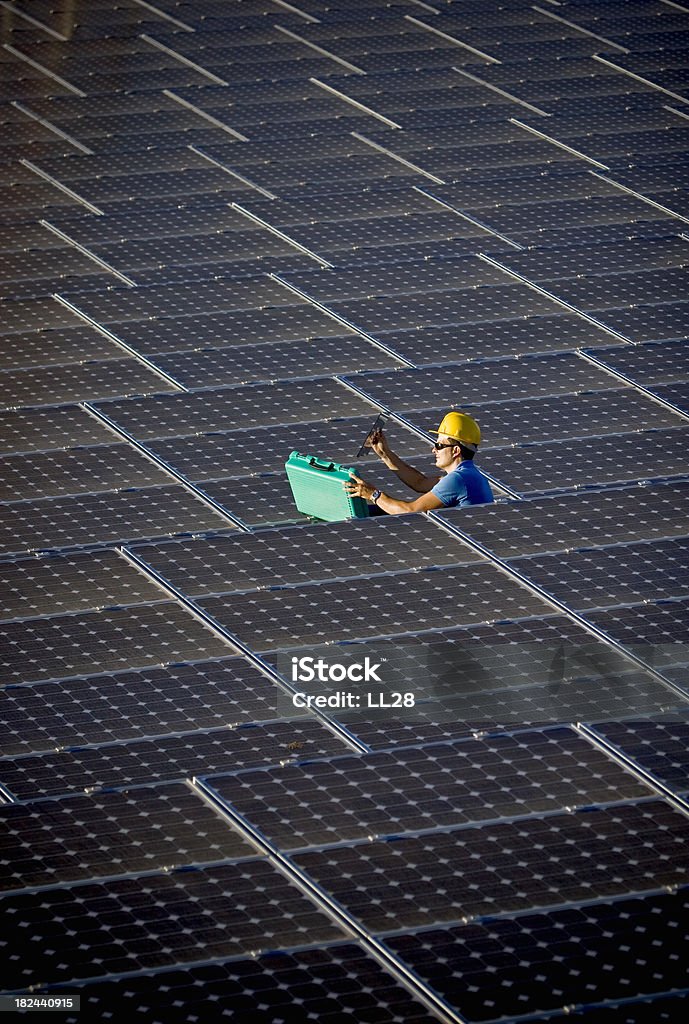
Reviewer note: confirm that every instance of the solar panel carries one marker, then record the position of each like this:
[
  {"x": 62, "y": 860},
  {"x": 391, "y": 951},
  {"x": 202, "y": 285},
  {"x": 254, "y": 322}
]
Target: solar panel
[
  {"x": 421, "y": 788},
  {"x": 228, "y": 408},
  {"x": 591, "y": 414},
  {"x": 47, "y": 348},
  {"x": 20, "y": 316},
  {"x": 523, "y": 223},
  {"x": 57, "y": 385},
  {"x": 638, "y": 255},
  {"x": 613, "y": 460},
  {"x": 677, "y": 394},
  {"x": 387, "y": 605},
  {"x": 76, "y": 471},
  {"x": 155, "y": 218},
  {"x": 105, "y": 518},
  {"x": 508, "y": 844},
  {"x": 660, "y": 747},
  {"x": 279, "y": 915},
  {"x": 485, "y": 677},
  {"x": 57, "y": 646},
  {"x": 334, "y": 982},
  {"x": 131, "y": 705},
  {"x": 655, "y": 631},
  {"x": 415, "y": 276},
  {"x": 239, "y": 271},
  {"x": 560, "y": 946},
  {"x": 606, "y": 577},
  {"x": 539, "y": 188},
  {"x": 325, "y": 236},
  {"x": 656, "y": 363},
  {"x": 141, "y": 762},
  {"x": 487, "y": 339},
  {"x": 237, "y": 453},
  {"x": 288, "y": 556},
  {"x": 232, "y": 247},
  {"x": 210, "y": 297},
  {"x": 504, "y": 867},
  {"x": 44, "y": 429},
  {"x": 243, "y": 328},
  {"x": 649, "y": 322},
  {"x": 80, "y": 582},
  {"x": 584, "y": 519},
  {"x": 115, "y": 833},
  {"x": 248, "y": 365},
  {"x": 488, "y": 381},
  {"x": 50, "y": 271},
  {"x": 611, "y": 291}
]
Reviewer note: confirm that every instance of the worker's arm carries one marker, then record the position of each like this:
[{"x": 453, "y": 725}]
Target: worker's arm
[
  {"x": 408, "y": 475},
  {"x": 359, "y": 488}
]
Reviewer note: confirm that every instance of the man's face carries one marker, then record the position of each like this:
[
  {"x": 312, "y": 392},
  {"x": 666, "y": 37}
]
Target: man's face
[{"x": 446, "y": 456}]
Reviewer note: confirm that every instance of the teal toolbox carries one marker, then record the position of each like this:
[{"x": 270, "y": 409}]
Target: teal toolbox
[{"x": 318, "y": 489}]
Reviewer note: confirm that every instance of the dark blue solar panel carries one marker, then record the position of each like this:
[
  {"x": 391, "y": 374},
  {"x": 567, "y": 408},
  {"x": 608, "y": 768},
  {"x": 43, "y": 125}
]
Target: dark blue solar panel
[{"x": 217, "y": 247}]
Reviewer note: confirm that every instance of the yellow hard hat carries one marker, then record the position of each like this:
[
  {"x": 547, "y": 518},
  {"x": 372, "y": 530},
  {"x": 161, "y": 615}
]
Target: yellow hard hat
[{"x": 460, "y": 427}]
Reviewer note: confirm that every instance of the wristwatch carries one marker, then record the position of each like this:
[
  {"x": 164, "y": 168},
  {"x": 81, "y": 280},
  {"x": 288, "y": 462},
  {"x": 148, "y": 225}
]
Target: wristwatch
[{"x": 374, "y": 497}]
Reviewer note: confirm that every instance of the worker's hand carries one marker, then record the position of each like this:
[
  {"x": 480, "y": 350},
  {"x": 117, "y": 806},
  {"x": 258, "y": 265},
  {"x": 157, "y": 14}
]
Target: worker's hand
[
  {"x": 379, "y": 443},
  {"x": 358, "y": 488}
]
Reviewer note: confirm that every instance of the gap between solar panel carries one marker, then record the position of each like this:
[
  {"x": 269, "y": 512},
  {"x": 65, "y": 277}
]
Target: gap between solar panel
[{"x": 334, "y": 492}]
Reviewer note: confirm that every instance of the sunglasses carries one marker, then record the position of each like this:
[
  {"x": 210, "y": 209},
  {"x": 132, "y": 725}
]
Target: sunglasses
[{"x": 439, "y": 447}]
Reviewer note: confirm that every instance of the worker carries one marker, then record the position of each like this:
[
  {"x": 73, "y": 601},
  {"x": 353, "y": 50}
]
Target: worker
[{"x": 460, "y": 484}]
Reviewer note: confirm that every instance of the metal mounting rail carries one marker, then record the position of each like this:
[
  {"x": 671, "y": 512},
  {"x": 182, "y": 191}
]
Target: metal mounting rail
[
  {"x": 398, "y": 158},
  {"x": 281, "y": 234},
  {"x": 51, "y": 127},
  {"x": 560, "y": 606},
  {"x": 560, "y": 145},
  {"x": 231, "y": 172},
  {"x": 33, "y": 21},
  {"x": 640, "y": 195},
  {"x": 503, "y": 92},
  {"x": 91, "y": 207},
  {"x": 640, "y": 78},
  {"x": 144, "y": 360},
  {"x": 632, "y": 383},
  {"x": 240, "y": 647},
  {"x": 321, "y": 50},
  {"x": 167, "y": 17},
  {"x": 631, "y": 765},
  {"x": 182, "y": 59},
  {"x": 580, "y": 28},
  {"x": 295, "y": 10},
  {"x": 452, "y": 39},
  {"x": 343, "y": 320},
  {"x": 373, "y": 946},
  {"x": 45, "y": 71},
  {"x": 216, "y": 122},
  {"x": 468, "y": 217},
  {"x": 355, "y": 103},
  {"x": 87, "y": 252},
  {"x": 555, "y": 298},
  {"x": 161, "y": 464}
]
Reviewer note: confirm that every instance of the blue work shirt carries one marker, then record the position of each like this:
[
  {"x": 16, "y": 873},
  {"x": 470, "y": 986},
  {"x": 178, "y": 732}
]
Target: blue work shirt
[{"x": 464, "y": 485}]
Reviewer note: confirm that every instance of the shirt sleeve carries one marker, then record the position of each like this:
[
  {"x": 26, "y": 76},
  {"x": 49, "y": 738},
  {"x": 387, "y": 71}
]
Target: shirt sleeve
[{"x": 450, "y": 490}]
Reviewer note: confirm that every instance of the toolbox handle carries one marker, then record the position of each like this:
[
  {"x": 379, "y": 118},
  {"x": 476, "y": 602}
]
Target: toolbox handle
[{"x": 317, "y": 465}]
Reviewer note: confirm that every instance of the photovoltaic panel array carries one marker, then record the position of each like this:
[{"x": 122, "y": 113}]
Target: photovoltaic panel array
[{"x": 233, "y": 229}]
